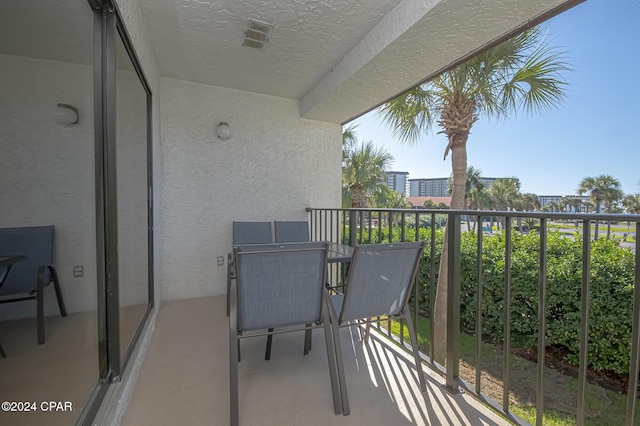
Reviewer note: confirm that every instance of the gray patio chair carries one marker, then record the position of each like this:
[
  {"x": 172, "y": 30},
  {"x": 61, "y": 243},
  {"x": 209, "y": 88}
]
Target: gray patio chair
[
  {"x": 246, "y": 233},
  {"x": 378, "y": 284},
  {"x": 278, "y": 285},
  {"x": 28, "y": 279},
  {"x": 292, "y": 231}
]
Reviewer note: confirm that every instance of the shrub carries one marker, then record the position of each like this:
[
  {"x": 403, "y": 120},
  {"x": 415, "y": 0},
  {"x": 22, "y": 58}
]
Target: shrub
[{"x": 611, "y": 291}]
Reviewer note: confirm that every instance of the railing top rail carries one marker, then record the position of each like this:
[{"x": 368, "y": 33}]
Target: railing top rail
[{"x": 529, "y": 214}]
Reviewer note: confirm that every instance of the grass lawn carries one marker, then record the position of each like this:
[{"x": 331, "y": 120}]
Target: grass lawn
[{"x": 604, "y": 407}]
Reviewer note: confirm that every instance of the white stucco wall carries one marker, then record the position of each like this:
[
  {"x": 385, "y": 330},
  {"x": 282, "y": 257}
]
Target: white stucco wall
[
  {"x": 274, "y": 165},
  {"x": 47, "y": 174},
  {"x": 46, "y": 169}
]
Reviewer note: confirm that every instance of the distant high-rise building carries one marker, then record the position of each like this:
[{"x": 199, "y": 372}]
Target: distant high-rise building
[
  {"x": 397, "y": 181},
  {"x": 432, "y": 187},
  {"x": 438, "y": 187},
  {"x": 564, "y": 202}
]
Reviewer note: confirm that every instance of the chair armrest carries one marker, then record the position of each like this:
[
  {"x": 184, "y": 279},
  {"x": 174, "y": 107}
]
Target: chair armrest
[
  {"x": 231, "y": 266},
  {"x": 53, "y": 275}
]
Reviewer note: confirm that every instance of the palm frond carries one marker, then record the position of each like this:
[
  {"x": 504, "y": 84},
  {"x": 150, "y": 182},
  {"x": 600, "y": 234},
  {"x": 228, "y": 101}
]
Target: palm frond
[{"x": 411, "y": 114}]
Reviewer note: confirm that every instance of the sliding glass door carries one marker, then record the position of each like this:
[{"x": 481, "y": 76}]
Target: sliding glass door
[{"x": 75, "y": 155}]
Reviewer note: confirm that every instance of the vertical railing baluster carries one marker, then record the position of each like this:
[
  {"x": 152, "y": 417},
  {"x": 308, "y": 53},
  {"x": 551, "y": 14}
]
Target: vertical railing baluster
[
  {"x": 416, "y": 284},
  {"x": 379, "y": 227},
  {"x": 506, "y": 369},
  {"x": 370, "y": 225},
  {"x": 479, "y": 273},
  {"x": 324, "y": 225},
  {"x": 635, "y": 341},
  {"x": 542, "y": 321},
  {"x": 584, "y": 322},
  {"x": 402, "y": 232},
  {"x": 330, "y": 225},
  {"x": 432, "y": 286},
  {"x": 353, "y": 227},
  {"x": 453, "y": 303},
  {"x": 389, "y": 219}
]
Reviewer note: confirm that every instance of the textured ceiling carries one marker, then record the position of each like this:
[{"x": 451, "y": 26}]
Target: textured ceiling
[
  {"x": 340, "y": 58},
  {"x": 201, "y": 41}
]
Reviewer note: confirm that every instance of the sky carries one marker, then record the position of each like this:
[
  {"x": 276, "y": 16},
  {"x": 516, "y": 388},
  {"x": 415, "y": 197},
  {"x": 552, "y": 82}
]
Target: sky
[{"x": 594, "y": 132}]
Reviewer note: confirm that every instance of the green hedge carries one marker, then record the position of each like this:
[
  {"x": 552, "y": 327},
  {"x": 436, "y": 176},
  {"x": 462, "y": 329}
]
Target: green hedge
[{"x": 611, "y": 292}]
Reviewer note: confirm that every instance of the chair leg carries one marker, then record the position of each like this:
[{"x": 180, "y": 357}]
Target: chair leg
[
  {"x": 416, "y": 351},
  {"x": 307, "y": 339},
  {"x": 331, "y": 358},
  {"x": 234, "y": 358},
  {"x": 40, "y": 313},
  {"x": 367, "y": 329},
  {"x": 267, "y": 352},
  {"x": 228, "y": 281},
  {"x": 56, "y": 285},
  {"x": 335, "y": 331}
]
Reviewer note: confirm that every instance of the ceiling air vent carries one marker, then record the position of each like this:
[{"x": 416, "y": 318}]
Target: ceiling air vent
[{"x": 257, "y": 34}]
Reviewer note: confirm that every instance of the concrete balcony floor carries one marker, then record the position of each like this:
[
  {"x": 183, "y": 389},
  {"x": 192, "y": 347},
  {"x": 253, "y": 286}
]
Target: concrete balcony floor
[{"x": 185, "y": 379}]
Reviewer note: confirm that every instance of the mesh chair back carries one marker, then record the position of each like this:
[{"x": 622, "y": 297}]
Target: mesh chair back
[
  {"x": 291, "y": 231},
  {"x": 280, "y": 284},
  {"x": 251, "y": 233},
  {"x": 380, "y": 280},
  {"x": 35, "y": 242}
]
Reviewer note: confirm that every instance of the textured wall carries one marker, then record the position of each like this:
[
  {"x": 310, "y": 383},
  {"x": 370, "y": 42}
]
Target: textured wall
[
  {"x": 273, "y": 166},
  {"x": 47, "y": 174},
  {"x": 46, "y": 169}
]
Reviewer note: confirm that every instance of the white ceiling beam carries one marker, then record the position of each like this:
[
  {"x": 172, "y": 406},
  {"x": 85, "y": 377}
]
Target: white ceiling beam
[{"x": 415, "y": 40}]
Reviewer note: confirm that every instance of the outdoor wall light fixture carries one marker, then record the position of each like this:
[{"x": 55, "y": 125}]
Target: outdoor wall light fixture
[
  {"x": 67, "y": 114},
  {"x": 223, "y": 131}
]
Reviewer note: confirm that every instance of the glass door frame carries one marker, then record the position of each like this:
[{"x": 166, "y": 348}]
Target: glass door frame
[{"x": 108, "y": 25}]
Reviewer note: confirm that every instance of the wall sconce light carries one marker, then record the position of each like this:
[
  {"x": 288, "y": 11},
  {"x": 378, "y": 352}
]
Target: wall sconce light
[
  {"x": 67, "y": 114},
  {"x": 223, "y": 131}
]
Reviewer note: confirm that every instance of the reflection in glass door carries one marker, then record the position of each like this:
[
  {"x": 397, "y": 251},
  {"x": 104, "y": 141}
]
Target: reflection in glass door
[
  {"x": 47, "y": 178},
  {"x": 133, "y": 183}
]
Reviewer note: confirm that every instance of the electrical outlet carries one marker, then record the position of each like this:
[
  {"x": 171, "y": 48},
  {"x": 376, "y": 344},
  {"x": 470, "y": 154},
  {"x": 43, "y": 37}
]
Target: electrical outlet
[
  {"x": 78, "y": 271},
  {"x": 220, "y": 260}
]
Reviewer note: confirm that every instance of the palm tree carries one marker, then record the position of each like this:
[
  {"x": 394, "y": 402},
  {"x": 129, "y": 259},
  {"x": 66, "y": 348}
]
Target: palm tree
[
  {"x": 601, "y": 189},
  {"x": 479, "y": 199},
  {"x": 575, "y": 202},
  {"x": 505, "y": 193},
  {"x": 393, "y": 200},
  {"x": 631, "y": 203},
  {"x": 364, "y": 174},
  {"x": 349, "y": 141},
  {"x": 472, "y": 182},
  {"x": 529, "y": 202},
  {"x": 523, "y": 73}
]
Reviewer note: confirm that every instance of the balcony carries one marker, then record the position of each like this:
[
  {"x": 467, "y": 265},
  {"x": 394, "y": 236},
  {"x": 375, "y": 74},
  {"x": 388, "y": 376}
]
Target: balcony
[
  {"x": 185, "y": 374},
  {"x": 185, "y": 379}
]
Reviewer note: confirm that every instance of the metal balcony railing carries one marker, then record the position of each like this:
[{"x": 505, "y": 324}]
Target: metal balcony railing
[{"x": 365, "y": 226}]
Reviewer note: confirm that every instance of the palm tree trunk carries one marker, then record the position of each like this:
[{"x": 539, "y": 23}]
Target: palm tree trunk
[{"x": 459, "y": 167}]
